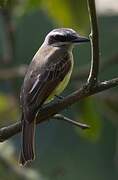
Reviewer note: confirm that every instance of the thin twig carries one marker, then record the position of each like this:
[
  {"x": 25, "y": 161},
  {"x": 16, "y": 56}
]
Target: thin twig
[
  {"x": 64, "y": 118},
  {"x": 93, "y": 76}
]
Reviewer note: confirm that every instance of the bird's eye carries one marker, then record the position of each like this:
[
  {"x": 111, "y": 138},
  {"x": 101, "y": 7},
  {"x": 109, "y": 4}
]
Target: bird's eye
[{"x": 59, "y": 38}]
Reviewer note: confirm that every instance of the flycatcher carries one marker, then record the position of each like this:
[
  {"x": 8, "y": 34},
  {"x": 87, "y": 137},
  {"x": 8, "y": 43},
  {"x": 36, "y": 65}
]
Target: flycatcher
[{"x": 47, "y": 76}]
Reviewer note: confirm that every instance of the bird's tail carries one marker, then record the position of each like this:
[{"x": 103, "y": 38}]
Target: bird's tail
[{"x": 28, "y": 133}]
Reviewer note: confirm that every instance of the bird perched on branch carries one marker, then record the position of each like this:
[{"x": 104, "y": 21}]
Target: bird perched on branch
[{"x": 47, "y": 76}]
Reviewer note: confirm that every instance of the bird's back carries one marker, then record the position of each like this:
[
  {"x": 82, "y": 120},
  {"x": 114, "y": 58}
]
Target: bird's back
[{"x": 58, "y": 58}]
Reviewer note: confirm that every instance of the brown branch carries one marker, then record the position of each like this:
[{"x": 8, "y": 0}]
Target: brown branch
[
  {"x": 93, "y": 76},
  {"x": 51, "y": 109},
  {"x": 76, "y": 123},
  {"x": 90, "y": 88}
]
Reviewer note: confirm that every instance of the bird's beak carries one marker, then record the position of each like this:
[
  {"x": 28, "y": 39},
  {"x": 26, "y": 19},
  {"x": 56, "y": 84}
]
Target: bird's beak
[{"x": 81, "y": 39}]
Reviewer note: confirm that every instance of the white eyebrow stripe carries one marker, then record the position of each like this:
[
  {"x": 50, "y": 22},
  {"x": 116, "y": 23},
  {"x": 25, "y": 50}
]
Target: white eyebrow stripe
[{"x": 56, "y": 33}]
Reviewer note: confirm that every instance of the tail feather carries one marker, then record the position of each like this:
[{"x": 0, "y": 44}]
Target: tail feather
[{"x": 27, "y": 152}]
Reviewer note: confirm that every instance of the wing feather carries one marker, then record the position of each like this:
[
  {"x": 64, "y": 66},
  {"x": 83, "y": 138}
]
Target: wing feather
[
  {"x": 43, "y": 82},
  {"x": 46, "y": 82}
]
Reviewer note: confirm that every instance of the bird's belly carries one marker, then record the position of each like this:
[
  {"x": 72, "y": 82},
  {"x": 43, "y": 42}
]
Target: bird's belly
[{"x": 59, "y": 89}]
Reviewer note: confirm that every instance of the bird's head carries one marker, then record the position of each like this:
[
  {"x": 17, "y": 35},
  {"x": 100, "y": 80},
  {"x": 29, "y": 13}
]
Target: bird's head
[{"x": 64, "y": 37}]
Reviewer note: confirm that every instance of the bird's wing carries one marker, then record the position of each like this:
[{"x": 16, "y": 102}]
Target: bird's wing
[{"x": 46, "y": 81}]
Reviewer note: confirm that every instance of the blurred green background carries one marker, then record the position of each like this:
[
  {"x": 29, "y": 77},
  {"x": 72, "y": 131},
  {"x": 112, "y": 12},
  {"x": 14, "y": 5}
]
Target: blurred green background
[{"x": 63, "y": 151}]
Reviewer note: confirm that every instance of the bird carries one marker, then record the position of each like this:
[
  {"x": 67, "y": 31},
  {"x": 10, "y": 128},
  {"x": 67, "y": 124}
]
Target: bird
[{"x": 47, "y": 76}]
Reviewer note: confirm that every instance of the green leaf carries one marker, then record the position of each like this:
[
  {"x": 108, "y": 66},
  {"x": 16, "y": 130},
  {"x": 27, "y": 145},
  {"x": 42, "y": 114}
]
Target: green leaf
[{"x": 90, "y": 116}]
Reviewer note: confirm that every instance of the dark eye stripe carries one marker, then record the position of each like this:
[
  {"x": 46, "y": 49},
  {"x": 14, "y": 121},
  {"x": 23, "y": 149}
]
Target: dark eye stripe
[{"x": 61, "y": 38}]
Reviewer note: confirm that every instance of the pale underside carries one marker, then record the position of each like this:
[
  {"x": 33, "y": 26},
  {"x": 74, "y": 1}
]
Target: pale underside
[{"x": 60, "y": 88}]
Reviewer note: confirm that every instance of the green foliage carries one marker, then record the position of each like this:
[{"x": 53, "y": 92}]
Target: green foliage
[
  {"x": 3, "y": 3},
  {"x": 7, "y": 3},
  {"x": 9, "y": 161},
  {"x": 31, "y": 5},
  {"x": 90, "y": 116},
  {"x": 65, "y": 13},
  {"x": 68, "y": 13},
  {"x": 4, "y": 103},
  {"x": 8, "y": 106}
]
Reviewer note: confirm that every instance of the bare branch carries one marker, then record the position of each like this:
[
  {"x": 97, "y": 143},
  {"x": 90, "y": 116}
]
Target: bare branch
[
  {"x": 49, "y": 110},
  {"x": 9, "y": 131},
  {"x": 62, "y": 117},
  {"x": 107, "y": 84},
  {"x": 93, "y": 76}
]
